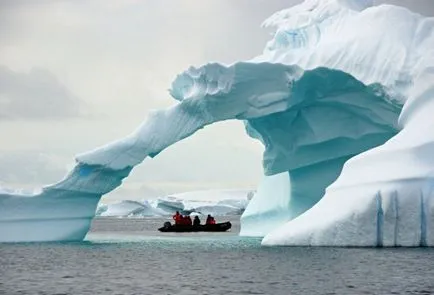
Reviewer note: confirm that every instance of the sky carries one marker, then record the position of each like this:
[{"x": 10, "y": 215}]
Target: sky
[{"x": 75, "y": 75}]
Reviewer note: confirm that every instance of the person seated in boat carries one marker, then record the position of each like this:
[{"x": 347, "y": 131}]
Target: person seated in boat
[
  {"x": 210, "y": 219},
  {"x": 177, "y": 217},
  {"x": 182, "y": 220},
  {"x": 196, "y": 221},
  {"x": 189, "y": 221}
]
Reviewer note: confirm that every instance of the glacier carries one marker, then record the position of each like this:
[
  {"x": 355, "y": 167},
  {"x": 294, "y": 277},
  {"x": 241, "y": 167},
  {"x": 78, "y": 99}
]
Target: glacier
[{"x": 341, "y": 99}]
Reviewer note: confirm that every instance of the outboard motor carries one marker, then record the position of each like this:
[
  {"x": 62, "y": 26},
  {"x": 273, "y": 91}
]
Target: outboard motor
[{"x": 167, "y": 224}]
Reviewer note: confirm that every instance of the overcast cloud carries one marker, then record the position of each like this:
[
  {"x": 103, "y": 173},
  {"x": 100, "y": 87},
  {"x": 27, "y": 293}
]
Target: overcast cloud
[
  {"x": 77, "y": 74},
  {"x": 35, "y": 95}
]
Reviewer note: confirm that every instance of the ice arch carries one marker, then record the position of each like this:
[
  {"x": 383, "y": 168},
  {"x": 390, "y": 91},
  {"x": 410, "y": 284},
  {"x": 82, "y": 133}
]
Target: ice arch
[
  {"x": 260, "y": 93},
  {"x": 331, "y": 119},
  {"x": 383, "y": 194}
]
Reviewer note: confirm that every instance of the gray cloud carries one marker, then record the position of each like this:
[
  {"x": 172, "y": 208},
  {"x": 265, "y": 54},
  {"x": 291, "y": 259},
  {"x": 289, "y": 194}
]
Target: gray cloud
[{"x": 35, "y": 95}]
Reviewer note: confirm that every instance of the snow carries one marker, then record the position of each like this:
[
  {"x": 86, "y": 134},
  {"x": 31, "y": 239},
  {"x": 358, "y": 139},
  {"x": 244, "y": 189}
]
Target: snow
[{"x": 341, "y": 98}]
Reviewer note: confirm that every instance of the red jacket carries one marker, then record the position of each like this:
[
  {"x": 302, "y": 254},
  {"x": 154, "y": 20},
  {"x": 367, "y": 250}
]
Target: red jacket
[
  {"x": 210, "y": 220},
  {"x": 177, "y": 218}
]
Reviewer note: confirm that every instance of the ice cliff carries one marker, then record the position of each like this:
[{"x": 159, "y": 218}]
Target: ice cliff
[{"x": 341, "y": 98}]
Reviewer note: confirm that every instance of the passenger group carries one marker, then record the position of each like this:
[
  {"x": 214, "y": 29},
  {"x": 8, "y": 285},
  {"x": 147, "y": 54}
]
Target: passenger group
[{"x": 186, "y": 220}]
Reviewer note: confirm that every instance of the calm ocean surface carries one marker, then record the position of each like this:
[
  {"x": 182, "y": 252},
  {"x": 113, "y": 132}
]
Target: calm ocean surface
[{"x": 128, "y": 256}]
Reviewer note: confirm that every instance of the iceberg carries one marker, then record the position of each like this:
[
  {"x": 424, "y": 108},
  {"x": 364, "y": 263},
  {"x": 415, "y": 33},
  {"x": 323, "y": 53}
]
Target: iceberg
[
  {"x": 203, "y": 207},
  {"x": 171, "y": 204},
  {"x": 129, "y": 208},
  {"x": 214, "y": 202},
  {"x": 341, "y": 98},
  {"x": 383, "y": 196}
]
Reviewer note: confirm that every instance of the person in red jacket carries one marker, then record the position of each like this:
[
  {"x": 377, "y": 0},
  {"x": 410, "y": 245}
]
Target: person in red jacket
[
  {"x": 177, "y": 217},
  {"x": 189, "y": 221},
  {"x": 210, "y": 219}
]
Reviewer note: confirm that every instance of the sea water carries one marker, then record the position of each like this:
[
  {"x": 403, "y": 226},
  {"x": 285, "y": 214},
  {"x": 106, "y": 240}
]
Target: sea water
[{"x": 129, "y": 256}]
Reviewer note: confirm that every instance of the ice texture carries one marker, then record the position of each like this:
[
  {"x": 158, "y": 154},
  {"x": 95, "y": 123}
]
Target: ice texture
[
  {"x": 382, "y": 197},
  {"x": 341, "y": 98}
]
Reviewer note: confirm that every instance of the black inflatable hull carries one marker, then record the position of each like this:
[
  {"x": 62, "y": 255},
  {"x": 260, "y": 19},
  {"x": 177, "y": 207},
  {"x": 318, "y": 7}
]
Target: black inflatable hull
[{"x": 218, "y": 227}]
